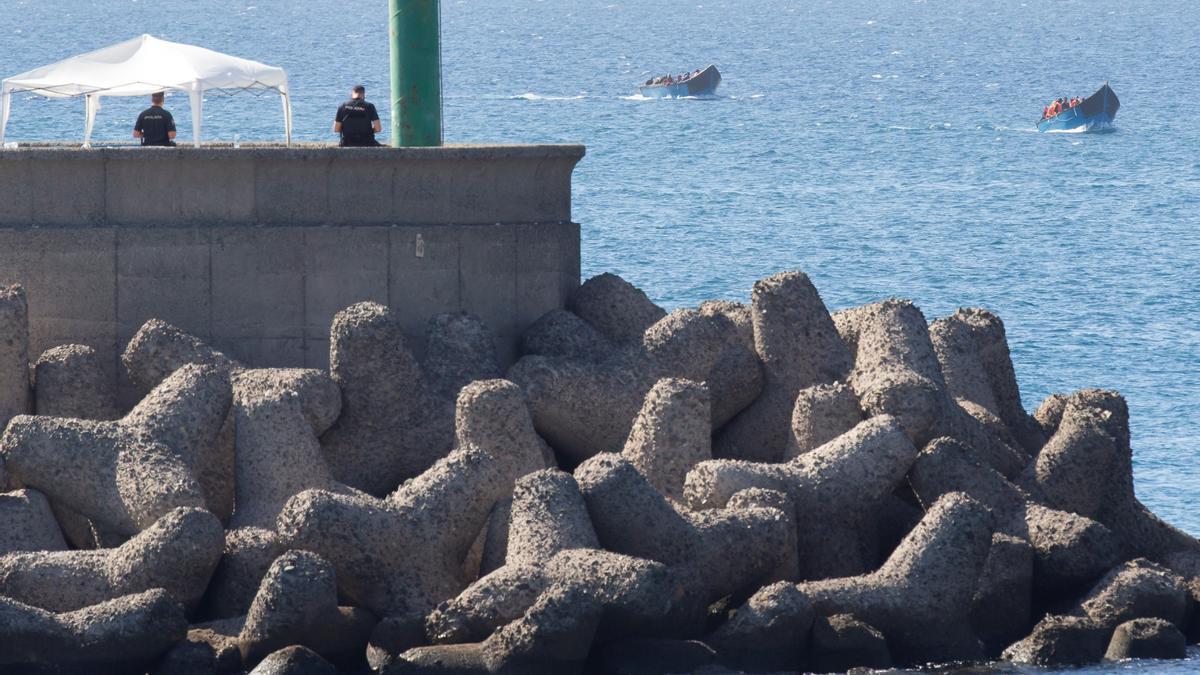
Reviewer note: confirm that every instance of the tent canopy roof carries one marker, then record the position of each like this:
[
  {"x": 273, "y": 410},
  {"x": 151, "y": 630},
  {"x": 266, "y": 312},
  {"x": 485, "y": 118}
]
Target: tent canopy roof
[{"x": 144, "y": 65}]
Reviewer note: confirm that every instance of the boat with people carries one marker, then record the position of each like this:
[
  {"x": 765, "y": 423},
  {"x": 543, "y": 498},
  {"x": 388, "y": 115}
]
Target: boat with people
[
  {"x": 1094, "y": 113},
  {"x": 700, "y": 82}
]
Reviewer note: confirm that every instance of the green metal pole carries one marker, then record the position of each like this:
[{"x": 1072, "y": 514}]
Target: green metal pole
[{"x": 415, "y": 33}]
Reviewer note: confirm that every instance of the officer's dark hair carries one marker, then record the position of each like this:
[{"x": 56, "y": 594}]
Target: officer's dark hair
[
  {"x": 158, "y": 97},
  {"x": 360, "y": 90}
]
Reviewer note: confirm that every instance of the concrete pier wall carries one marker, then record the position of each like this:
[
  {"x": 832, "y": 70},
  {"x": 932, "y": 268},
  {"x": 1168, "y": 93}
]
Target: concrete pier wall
[{"x": 257, "y": 249}]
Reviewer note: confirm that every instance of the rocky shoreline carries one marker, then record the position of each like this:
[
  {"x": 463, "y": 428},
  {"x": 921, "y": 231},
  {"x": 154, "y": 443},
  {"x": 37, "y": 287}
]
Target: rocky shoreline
[{"x": 764, "y": 487}]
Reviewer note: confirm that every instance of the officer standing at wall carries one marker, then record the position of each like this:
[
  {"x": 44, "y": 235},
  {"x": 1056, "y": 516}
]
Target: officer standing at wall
[
  {"x": 155, "y": 126},
  {"x": 357, "y": 121}
]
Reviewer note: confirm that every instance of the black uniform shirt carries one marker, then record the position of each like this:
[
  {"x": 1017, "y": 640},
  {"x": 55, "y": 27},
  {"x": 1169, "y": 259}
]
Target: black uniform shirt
[
  {"x": 154, "y": 123},
  {"x": 357, "y": 118}
]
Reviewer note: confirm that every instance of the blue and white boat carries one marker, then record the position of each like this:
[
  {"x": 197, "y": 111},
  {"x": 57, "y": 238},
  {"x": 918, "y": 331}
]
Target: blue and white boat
[
  {"x": 704, "y": 83},
  {"x": 1095, "y": 113}
]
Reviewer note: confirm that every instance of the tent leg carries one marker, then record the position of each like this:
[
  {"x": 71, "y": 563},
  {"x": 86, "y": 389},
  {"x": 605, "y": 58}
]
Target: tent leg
[
  {"x": 287, "y": 119},
  {"x": 197, "y": 103},
  {"x": 5, "y": 103},
  {"x": 92, "y": 105}
]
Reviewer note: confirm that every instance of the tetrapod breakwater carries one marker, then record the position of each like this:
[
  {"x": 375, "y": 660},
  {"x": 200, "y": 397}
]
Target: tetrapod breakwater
[{"x": 760, "y": 486}]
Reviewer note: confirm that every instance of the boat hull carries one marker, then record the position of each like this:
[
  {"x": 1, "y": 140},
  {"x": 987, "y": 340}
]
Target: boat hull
[
  {"x": 1095, "y": 114},
  {"x": 704, "y": 84}
]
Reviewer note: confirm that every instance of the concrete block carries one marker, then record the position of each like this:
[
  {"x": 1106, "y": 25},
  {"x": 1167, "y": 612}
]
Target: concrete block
[
  {"x": 143, "y": 189},
  {"x": 361, "y": 190},
  {"x": 573, "y": 244},
  {"x": 258, "y": 283},
  {"x": 70, "y": 274},
  {"x": 316, "y": 354},
  {"x": 12, "y": 258},
  {"x": 231, "y": 177},
  {"x": 164, "y": 274},
  {"x": 547, "y": 269},
  {"x": 46, "y": 333},
  {"x": 68, "y": 191},
  {"x": 424, "y": 271},
  {"x": 70, "y": 279},
  {"x": 294, "y": 192},
  {"x": 343, "y": 266},
  {"x": 16, "y": 193},
  {"x": 14, "y": 360},
  {"x": 259, "y": 270},
  {"x": 528, "y": 189},
  {"x": 488, "y": 275},
  {"x": 419, "y": 191}
]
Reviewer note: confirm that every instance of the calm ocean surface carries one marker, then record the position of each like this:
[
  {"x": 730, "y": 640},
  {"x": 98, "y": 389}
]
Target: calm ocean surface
[{"x": 884, "y": 147}]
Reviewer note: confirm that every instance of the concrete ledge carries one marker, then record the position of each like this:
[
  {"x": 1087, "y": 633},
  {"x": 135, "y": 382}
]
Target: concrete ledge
[{"x": 302, "y": 185}]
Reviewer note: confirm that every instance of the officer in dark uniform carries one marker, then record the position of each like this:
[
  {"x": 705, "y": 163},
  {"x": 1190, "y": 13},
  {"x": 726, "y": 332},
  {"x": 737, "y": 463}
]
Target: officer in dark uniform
[
  {"x": 357, "y": 121},
  {"x": 155, "y": 126}
]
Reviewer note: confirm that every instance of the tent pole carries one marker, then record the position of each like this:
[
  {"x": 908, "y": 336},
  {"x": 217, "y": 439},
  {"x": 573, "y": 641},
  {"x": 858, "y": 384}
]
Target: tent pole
[
  {"x": 287, "y": 118},
  {"x": 5, "y": 103},
  {"x": 91, "y": 105},
  {"x": 197, "y": 102}
]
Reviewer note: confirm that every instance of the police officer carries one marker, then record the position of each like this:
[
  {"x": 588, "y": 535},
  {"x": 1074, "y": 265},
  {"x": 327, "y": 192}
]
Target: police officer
[
  {"x": 155, "y": 126},
  {"x": 357, "y": 121}
]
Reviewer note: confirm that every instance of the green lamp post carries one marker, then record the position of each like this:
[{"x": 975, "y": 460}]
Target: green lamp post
[{"x": 415, "y": 36}]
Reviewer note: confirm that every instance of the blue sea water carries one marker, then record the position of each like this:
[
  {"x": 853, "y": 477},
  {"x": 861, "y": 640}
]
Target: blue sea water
[{"x": 885, "y": 147}]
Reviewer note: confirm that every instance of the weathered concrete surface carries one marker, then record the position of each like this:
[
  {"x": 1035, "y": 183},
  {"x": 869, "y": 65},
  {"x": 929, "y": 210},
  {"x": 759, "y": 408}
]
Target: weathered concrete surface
[
  {"x": 28, "y": 523},
  {"x": 1146, "y": 639},
  {"x": 584, "y": 406},
  {"x": 799, "y": 347},
  {"x": 392, "y": 428},
  {"x": 69, "y": 381},
  {"x": 552, "y": 543},
  {"x": 177, "y": 554},
  {"x": 401, "y": 556},
  {"x": 1060, "y": 641},
  {"x": 631, "y": 517},
  {"x": 1087, "y": 468},
  {"x": 133, "y": 629},
  {"x": 947, "y": 550},
  {"x": 834, "y": 489},
  {"x": 125, "y": 474},
  {"x": 254, "y": 250},
  {"x": 307, "y": 185},
  {"x": 14, "y": 352}
]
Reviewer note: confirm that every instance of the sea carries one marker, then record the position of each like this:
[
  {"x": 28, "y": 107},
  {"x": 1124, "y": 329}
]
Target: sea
[{"x": 887, "y": 148}]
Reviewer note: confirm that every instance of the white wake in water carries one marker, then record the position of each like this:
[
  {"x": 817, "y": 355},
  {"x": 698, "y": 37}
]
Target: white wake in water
[{"x": 529, "y": 96}]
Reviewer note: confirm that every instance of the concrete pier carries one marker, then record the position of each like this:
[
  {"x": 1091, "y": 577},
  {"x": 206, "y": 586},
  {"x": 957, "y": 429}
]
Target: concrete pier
[{"x": 255, "y": 249}]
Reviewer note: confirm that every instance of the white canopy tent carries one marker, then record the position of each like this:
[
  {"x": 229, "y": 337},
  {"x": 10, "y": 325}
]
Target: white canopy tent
[{"x": 140, "y": 67}]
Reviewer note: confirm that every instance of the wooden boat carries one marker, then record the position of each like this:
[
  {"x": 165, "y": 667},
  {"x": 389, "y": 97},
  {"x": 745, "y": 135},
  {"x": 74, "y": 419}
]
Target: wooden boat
[
  {"x": 1095, "y": 113},
  {"x": 704, "y": 83}
]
